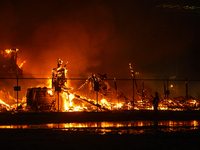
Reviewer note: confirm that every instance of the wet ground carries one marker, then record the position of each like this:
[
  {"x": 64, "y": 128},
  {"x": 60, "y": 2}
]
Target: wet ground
[
  {"x": 63, "y": 117},
  {"x": 56, "y": 139},
  {"x": 33, "y": 139}
]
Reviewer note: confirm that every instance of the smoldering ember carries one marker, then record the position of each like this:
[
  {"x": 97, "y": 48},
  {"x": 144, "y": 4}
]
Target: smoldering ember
[{"x": 94, "y": 94}]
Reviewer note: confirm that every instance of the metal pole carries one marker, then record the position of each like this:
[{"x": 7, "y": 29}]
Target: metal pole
[
  {"x": 58, "y": 101},
  {"x": 133, "y": 93},
  {"x": 133, "y": 73},
  {"x": 143, "y": 94},
  {"x": 97, "y": 100},
  {"x": 17, "y": 92},
  {"x": 116, "y": 90},
  {"x": 186, "y": 85},
  {"x": 164, "y": 89},
  {"x": 167, "y": 94}
]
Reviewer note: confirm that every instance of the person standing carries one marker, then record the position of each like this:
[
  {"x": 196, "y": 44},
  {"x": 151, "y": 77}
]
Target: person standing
[{"x": 155, "y": 101}]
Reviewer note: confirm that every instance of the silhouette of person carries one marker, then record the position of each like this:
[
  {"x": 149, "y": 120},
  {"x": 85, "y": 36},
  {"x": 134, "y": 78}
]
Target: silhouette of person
[{"x": 155, "y": 101}]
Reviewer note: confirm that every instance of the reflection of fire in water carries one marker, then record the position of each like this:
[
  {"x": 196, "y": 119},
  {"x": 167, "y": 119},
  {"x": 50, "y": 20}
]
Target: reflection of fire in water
[{"x": 119, "y": 127}]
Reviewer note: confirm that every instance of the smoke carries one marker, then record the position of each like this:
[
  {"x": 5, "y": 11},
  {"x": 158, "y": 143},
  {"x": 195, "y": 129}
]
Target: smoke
[
  {"x": 76, "y": 36},
  {"x": 99, "y": 36},
  {"x": 96, "y": 36}
]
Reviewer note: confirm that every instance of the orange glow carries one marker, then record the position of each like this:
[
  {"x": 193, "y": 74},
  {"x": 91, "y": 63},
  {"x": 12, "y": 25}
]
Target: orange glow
[
  {"x": 195, "y": 123},
  {"x": 114, "y": 127},
  {"x": 68, "y": 101},
  {"x": 20, "y": 66},
  {"x": 49, "y": 83},
  {"x": 3, "y": 103},
  {"x": 8, "y": 51},
  {"x": 104, "y": 103}
]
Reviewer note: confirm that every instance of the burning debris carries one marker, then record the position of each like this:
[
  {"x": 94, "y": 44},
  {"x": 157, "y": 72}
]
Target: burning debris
[
  {"x": 7, "y": 102},
  {"x": 98, "y": 82},
  {"x": 40, "y": 99},
  {"x": 9, "y": 69},
  {"x": 60, "y": 97},
  {"x": 8, "y": 63},
  {"x": 95, "y": 94}
]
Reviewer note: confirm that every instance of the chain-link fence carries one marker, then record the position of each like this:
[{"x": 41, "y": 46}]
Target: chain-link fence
[{"x": 79, "y": 94}]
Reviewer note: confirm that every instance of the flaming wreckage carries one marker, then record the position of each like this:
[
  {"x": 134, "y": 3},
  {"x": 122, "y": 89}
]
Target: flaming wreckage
[
  {"x": 8, "y": 63},
  {"x": 59, "y": 96},
  {"x": 95, "y": 94},
  {"x": 8, "y": 69}
]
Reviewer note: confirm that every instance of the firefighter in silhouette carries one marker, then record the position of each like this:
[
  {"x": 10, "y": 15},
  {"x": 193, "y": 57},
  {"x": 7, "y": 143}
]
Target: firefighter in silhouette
[{"x": 155, "y": 101}]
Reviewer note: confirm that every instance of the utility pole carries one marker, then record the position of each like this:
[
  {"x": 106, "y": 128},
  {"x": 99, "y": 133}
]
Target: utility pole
[
  {"x": 97, "y": 100},
  {"x": 58, "y": 101},
  {"x": 58, "y": 89},
  {"x": 116, "y": 90},
  {"x": 133, "y": 73},
  {"x": 143, "y": 90},
  {"x": 17, "y": 88},
  {"x": 17, "y": 91},
  {"x": 96, "y": 88},
  {"x": 186, "y": 86},
  {"x": 167, "y": 92},
  {"x": 164, "y": 89}
]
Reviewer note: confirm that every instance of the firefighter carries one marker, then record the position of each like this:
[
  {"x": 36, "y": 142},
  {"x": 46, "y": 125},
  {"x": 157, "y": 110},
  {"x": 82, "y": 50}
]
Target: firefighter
[{"x": 155, "y": 102}]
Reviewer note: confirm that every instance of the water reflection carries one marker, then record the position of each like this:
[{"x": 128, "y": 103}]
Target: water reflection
[{"x": 122, "y": 127}]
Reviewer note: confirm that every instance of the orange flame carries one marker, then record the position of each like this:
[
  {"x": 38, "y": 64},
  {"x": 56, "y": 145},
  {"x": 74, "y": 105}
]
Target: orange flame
[
  {"x": 8, "y": 51},
  {"x": 2, "y": 102},
  {"x": 20, "y": 66}
]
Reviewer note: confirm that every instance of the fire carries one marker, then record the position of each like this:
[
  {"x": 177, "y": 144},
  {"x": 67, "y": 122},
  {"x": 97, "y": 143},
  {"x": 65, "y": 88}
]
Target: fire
[
  {"x": 68, "y": 102},
  {"x": 4, "y": 104},
  {"x": 58, "y": 96},
  {"x": 1, "y": 102},
  {"x": 8, "y": 51},
  {"x": 49, "y": 83},
  {"x": 105, "y": 103},
  {"x": 50, "y": 92},
  {"x": 20, "y": 66},
  {"x": 119, "y": 105}
]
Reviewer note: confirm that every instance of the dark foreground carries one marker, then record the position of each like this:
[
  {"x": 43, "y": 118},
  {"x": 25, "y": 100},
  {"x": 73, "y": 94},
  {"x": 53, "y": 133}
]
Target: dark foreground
[
  {"x": 33, "y": 139},
  {"x": 64, "y": 117}
]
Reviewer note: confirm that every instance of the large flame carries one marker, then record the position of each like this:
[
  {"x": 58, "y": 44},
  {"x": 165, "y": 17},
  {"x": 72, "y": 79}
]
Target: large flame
[
  {"x": 8, "y": 51},
  {"x": 69, "y": 100},
  {"x": 7, "y": 107}
]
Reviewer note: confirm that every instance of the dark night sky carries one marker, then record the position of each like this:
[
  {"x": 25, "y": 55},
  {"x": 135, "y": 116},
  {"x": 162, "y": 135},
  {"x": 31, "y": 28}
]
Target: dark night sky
[{"x": 103, "y": 36}]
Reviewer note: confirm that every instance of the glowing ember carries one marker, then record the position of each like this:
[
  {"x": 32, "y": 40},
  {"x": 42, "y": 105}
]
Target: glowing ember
[
  {"x": 119, "y": 105},
  {"x": 20, "y": 66},
  {"x": 104, "y": 103},
  {"x": 56, "y": 95},
  {"x": 4, "y": 104},
  {"x": 8, "y": 51}
]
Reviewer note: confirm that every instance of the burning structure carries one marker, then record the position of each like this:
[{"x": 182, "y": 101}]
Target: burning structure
[
  {"x": 9, "y": 69},
  {"x": 60, "y": 97},
  {"x": 8, "y": 63},
  {"x": 40, "y": 99},
  {"x": 95, "y": 94}
]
